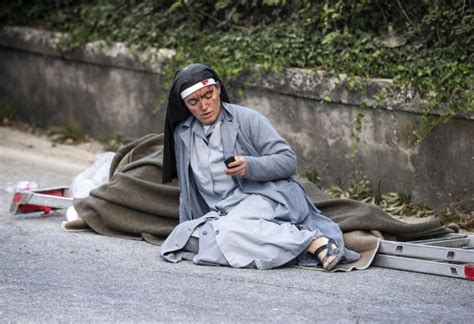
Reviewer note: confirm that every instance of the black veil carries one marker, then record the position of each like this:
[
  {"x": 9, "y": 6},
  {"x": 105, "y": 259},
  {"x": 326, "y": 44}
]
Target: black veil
[{"x": 176, "y": 110}]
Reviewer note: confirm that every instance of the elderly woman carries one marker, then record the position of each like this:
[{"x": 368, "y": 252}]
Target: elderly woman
[{"x": 239, "y": 205}]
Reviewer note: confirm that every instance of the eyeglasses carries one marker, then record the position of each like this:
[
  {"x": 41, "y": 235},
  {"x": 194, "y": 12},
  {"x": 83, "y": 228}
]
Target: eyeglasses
[{"x": 196, "y": 100}]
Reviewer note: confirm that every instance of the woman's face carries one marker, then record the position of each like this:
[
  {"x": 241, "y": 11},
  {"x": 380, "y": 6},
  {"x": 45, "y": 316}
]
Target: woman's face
[{"x": 205, "y": 104}]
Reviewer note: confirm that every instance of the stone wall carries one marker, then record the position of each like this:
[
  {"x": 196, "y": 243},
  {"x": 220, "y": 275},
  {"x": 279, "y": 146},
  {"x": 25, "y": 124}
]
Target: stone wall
[{"x": 110, "y": 92}]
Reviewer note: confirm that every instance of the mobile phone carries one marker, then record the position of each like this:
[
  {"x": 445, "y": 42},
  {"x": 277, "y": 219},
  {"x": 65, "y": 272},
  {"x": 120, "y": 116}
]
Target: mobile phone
[{"x": 229, "y": 161}]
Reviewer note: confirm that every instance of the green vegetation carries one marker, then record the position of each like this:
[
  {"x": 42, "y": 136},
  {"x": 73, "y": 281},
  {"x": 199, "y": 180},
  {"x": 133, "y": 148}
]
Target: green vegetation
[
  {"x": 69, "y": 132},
  {"x": 424, "y": 46},
  {"x": 394, "y": 203},
  {"x": 7, "y": 112},
  {"x": 398, "y": 204},
  {"x": 112, "y": 144}
]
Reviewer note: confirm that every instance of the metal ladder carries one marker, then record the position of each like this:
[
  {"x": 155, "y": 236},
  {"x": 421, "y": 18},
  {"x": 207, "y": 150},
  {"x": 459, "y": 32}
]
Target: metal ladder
[
  {"x": 449, "y": 255},
  {"x": 44, "y": 200}
]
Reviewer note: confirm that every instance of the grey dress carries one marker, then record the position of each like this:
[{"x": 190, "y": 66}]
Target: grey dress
[{"x": 264, "y": 220}]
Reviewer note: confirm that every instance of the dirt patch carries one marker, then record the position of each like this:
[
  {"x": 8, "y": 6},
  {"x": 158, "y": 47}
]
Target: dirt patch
[{"x": 35, "y": 145}]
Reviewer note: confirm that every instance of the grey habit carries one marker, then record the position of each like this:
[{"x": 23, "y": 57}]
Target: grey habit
[{"x": 263, "y": 220}]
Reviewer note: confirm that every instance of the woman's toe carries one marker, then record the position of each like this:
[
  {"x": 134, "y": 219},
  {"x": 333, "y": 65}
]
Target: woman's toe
[{"x": 329, "y": 261}]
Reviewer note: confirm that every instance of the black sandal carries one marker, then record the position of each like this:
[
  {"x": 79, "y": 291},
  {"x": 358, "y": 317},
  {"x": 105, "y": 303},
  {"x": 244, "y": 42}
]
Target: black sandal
[{"x": 332, "y": 250}]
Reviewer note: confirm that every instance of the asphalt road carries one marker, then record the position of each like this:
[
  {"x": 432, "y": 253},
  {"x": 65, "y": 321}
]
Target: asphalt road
[{"x": 48, "y": 275}]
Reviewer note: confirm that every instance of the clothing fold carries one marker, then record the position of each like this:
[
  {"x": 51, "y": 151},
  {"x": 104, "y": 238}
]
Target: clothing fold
[{"x": 135, "y": 205}]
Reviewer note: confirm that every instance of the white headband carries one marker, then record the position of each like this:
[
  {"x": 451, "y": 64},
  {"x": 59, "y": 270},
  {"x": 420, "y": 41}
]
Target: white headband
[{"x": 197, "y": 86}]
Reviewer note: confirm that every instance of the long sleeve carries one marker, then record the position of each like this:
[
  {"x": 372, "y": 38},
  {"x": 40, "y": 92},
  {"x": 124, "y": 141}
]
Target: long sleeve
[{"x": 276, "y": 160}]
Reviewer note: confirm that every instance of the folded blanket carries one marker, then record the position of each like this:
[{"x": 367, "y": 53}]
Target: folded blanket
[{"x": 135, "y": 205}]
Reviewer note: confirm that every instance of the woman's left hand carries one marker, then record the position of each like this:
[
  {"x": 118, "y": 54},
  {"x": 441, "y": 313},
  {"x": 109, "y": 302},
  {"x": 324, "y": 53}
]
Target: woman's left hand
[{"x": 238, "y": 167}]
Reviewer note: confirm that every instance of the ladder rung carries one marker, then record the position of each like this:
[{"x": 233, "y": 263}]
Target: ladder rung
[
  {"x": 463, "y": 271},
  {"x": 449, "y": 240},
  {"x": 453, "y": 243},
  {"x": 423, "y": 251}
]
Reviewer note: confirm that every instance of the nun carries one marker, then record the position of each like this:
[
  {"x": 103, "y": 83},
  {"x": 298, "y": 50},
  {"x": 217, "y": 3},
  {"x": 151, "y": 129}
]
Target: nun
[{"x": 240, "y": 204}]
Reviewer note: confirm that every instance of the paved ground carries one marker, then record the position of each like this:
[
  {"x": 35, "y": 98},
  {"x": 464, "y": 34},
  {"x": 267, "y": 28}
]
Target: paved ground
[{"x": 47, "y": 275}]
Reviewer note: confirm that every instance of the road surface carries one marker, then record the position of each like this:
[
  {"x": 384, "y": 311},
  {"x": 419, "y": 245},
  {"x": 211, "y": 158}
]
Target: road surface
[{"x": 48, "y": 275}]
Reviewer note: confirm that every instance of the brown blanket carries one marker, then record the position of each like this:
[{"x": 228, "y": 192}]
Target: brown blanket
[{"x": 135, "y": 205}]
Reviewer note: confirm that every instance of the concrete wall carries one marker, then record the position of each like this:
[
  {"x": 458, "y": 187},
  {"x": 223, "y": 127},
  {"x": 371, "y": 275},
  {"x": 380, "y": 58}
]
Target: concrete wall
[
  {"x": 107, "y": 90},
  {"x": 439, "y": 172},
  {"x": 110, "y": 92}
]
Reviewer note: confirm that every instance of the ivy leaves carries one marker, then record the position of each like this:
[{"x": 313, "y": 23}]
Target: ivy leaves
[{"x": 426, "y": 46}]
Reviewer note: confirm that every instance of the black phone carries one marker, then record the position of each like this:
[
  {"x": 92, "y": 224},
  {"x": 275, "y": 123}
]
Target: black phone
[{"x": 229, "y": 161}]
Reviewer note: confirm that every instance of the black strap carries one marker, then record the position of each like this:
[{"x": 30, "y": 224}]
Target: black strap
[{"x": 320, "y": 249}]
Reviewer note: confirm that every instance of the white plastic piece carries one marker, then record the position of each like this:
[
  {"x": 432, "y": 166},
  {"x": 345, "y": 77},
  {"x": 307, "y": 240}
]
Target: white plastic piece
[
  {"x": 71, "y": 214},
  {"x": 93, "y": 177}
]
